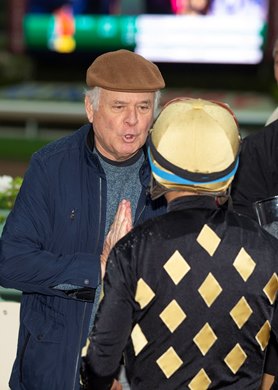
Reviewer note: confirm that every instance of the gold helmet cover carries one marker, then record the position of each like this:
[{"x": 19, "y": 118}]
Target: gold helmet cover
[{"x": 193, "y": 146}]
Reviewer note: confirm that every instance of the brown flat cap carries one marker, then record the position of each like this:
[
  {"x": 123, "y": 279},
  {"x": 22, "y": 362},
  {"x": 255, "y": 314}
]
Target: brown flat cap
[{"x": 123, "y": 70}]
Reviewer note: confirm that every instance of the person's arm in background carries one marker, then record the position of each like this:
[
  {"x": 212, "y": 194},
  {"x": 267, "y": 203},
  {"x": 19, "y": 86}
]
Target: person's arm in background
[
  {"x": 121, "y": 225},
  {"x": 103, "y": 354},
  {"x": 257, "y": 175},
  {"x": 271, "y": 360},
  {"x": 25, "y": 264}
]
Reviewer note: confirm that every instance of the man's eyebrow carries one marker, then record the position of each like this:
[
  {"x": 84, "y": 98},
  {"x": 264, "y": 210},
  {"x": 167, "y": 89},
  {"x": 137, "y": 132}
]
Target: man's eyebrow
[
  {"x": 148, "y": 101},
  {"x": 119, "y": 102}
]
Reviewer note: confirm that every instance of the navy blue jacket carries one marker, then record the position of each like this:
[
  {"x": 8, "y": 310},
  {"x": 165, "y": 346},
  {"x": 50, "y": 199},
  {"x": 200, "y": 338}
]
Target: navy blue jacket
[{"x": 55, "y": 235}]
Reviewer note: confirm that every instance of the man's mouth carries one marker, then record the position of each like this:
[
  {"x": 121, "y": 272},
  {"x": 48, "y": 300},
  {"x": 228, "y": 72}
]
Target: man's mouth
[{"x": 129, "y": 137}]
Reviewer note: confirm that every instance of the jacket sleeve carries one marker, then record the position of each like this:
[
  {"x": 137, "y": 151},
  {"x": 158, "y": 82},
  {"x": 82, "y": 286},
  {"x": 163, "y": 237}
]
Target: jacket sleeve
[
  {"x": 25, "y": 263},
  {"x": 257, "y": 176},
  {"x": 90, "y": 380}
]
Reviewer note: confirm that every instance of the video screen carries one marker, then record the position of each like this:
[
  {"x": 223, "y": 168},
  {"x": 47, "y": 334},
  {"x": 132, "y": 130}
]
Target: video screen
[{"x": 170, "y": 31}]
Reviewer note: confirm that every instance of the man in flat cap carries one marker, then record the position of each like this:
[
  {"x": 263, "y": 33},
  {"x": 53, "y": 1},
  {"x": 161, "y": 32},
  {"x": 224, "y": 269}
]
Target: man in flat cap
[
  {"x": 189, "y": 296},
  {"x": 80, "y": 194}
]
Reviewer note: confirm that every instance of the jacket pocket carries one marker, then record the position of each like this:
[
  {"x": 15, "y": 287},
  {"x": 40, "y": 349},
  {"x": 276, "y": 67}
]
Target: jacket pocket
[
  {"x": 41, "y": 348},
  {"x": 45, "y": 326}
]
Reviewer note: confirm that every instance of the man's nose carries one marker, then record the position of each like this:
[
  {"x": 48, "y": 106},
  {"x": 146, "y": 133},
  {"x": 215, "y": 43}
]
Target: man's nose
[{"x": 131, "y": 116}]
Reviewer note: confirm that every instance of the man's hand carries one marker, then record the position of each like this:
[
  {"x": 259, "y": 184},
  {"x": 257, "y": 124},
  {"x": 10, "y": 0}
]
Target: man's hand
[
  {"x": 90, "y": 382},
  {"x": 116, "y": 385},
  {"x": 121, "y": 225},
  {"x": 267, "y": 382}
]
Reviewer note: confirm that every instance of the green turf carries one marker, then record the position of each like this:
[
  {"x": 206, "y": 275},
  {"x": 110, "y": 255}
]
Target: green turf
[{"x": 19, "y": 149}]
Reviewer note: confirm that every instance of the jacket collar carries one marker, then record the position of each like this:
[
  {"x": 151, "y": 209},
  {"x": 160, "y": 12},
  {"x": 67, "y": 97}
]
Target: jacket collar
[{"x": 194, "y": 201}]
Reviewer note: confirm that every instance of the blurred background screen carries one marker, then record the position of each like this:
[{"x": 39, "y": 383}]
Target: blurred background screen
[
  {"x": 214, "y": 49},
  {"x": 173, "y": 31}
]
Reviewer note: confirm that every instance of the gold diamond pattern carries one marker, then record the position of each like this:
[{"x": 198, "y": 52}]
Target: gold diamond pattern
[
  {"x": 144, "y": 294},
  {"x": 208, "y": 239},
  {"x": 172, "y": 316},
  {"x": 271, "y": 288},
  {"x": 235, "y": 358},
  {"x": 263, "y": 334},
  {"x": 200, "y": 381},
  {"x": 138, "y": 338},
  {"x": 244, "y": 264},
  {"x": 176, "y": 267},
  {"x": 210, "y": 289},
  {"x": 169, "y": 362},
  {"x": 205, "y": 339},
  {"x": 241, "y": 312}
]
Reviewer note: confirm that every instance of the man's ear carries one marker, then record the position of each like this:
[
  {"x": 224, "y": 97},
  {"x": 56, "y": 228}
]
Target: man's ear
[{"x": 89, "y": 109}]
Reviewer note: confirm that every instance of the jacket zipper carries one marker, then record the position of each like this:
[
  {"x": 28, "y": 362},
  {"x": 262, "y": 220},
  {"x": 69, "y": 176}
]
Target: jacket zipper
[
  {"x": 84, "y": 311},
  {"x": 79, "y": 345},
  {"x": 141, "y": 211},
  {"x": 100, "y": 208}
]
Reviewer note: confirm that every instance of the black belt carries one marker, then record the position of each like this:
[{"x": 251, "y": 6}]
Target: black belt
[{"x": 86, "y": 294}]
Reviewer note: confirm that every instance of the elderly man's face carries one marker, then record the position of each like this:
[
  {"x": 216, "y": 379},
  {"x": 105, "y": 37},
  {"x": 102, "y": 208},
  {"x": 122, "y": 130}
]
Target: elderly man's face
[{"x": 121, "y": 123}]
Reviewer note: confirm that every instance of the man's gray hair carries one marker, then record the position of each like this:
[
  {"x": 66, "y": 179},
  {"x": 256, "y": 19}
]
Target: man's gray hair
[{"x": 94, "y": 95}]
